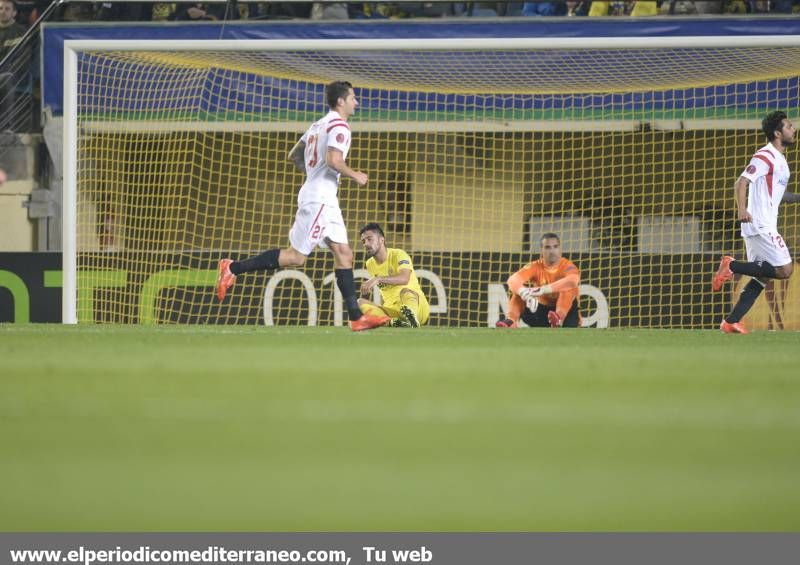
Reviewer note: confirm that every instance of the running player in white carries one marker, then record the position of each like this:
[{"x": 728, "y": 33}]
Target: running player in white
[
  {"x": 759, "y": 192},
  {"x": 321, "y": 153}
]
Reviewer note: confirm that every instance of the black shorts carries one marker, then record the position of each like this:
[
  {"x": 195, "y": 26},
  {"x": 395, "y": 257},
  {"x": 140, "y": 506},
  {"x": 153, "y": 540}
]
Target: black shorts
[{"x": 539, "y": 319}]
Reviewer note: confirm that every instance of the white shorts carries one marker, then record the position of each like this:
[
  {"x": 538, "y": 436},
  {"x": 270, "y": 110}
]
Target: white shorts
[
  {"x": 767, "y": 247},
  {"x": 313, "y": 224}
]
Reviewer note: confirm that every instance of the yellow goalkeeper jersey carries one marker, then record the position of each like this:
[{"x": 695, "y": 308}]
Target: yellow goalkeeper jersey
[{"x": 396, "y": 261}]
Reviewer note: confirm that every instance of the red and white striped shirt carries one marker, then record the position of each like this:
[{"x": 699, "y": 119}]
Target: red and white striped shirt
[
  {"x": 768, "y": 173},
  {"x": 322, "y": 182}
]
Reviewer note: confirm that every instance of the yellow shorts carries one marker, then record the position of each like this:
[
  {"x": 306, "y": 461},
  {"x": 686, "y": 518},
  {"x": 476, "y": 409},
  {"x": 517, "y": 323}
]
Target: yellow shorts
[{"x": 393, "y": 310}]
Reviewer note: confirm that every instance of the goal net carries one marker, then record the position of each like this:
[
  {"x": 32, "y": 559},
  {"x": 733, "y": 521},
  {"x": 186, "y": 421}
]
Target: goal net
[{"x": 627, "y": 149}]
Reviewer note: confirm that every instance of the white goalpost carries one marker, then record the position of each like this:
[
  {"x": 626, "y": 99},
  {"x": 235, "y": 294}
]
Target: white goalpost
[{"x": 171, "y": 153}]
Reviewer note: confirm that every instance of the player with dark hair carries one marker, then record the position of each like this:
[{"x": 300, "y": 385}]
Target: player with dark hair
[
  {"x": 322, "y": 154},
  {"x": 391, "y": 271},
  {"x": 759, "y": 192},
  {"x": 14, "y": 73},
  {"x": 545, "y": 292}
]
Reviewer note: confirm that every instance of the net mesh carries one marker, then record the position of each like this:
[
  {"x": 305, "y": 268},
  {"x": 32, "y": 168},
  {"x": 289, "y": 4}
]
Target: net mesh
[{"x": 628, "y": 154}]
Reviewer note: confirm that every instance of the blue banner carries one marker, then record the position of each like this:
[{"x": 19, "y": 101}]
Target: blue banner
[{"x": 243, "y": 92}]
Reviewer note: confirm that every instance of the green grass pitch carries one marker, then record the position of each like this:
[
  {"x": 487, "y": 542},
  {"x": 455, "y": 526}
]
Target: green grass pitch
[{"x": 299, "y": 429}]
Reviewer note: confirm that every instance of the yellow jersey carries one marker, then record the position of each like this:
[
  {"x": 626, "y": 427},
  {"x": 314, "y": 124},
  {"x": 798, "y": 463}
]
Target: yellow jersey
[{"x": 396, "y": 260}]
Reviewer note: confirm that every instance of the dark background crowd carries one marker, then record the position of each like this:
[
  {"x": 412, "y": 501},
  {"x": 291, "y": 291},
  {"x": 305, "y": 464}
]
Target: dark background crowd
[{"x": 28, "y": 11}]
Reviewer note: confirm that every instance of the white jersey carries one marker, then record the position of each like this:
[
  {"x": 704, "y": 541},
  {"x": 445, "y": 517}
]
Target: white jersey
[
  {"x": 768, "y": 173},
  {"x": 322, "y": 182}
]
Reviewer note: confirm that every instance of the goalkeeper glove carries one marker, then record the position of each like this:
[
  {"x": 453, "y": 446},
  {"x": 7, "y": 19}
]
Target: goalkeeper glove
[
  {"x": 555, "y": 319},
  {"x": 540, "y": 290},
  {"x": 529, "y": 297}
]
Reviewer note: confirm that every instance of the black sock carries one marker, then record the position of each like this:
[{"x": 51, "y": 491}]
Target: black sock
[
  {"x": 746, "y": 301},
  {"x": 344, "y": 280},
  {"x": 754, "y": 269},
  {"x": 264, "y": 262}
]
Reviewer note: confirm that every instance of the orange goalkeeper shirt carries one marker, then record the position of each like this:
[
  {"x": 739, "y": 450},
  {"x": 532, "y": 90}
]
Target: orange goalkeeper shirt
[{"x": 537, "y": 273}]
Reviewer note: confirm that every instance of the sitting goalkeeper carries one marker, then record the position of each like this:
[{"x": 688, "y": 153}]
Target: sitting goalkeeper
[
  {"x": 391, "y": 270},
  {"x": 545, "y": 291}
]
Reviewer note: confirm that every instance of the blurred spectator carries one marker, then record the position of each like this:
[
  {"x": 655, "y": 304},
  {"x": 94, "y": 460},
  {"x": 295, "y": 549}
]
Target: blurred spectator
[
  {"x": 77, "y": 12},
  {"x": 284, "y": 10},
  {"x": 759, "y": 6},
  {"x": 10, "y": 31},
  {"x": 163, "y": 11},
  {"x": 196, "y": 12},
  {"x": 124, "y": 11},
  {"x": 598, "y": 9},
  {"x": 678, "y": 8},
  {"x": 199, "y": 11},
  {"x": 580, "y": 8},
  {"x": 329, "y": 11},
  {"x": 482, "y": 9},
  {"x": 382, "y": 10},
  {"x": 39, "y": 7},
  {"x": 540, "y": 9},
  {"x": 426, "y": 9},
  {"x": 13, "y": 73},
  {"x": 248, "y": 10},
  {"x": 734, "y": 7},
  {"x": 642, "y": 8},
  {"x": 29, "y": 10},
  {"x": 615, "y": 8},
  {"x": 708, "y": 7},
  {"x": 782, "y": 6}
]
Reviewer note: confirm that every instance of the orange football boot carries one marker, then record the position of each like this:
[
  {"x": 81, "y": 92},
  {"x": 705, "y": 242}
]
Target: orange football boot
[
  {"x": 225, "y": 279},
  {"x": 733, "y": 328},
  {"x": 723, "y": 274},
  {"x": 367, "y": 322}
]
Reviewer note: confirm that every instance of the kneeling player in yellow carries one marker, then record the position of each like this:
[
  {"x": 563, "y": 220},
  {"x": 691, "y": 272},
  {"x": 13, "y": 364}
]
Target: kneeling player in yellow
[{"x": 392, "y": 271}]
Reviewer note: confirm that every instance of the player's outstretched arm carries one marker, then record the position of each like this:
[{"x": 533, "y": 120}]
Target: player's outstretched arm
[
  {"x": 296, "y": 155},
  {"x": 790, "y": 197}
]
